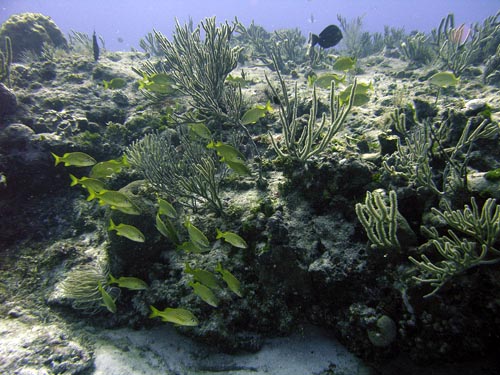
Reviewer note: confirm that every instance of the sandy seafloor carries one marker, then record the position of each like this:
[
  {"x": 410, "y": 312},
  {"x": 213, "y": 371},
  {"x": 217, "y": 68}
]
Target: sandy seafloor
[
  {"x": 163, "y": 350},
  {"x": 29, "y": 348}
]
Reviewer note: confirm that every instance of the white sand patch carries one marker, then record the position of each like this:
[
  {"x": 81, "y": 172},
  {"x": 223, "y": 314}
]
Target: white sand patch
[{"x": 164, "y": 351}]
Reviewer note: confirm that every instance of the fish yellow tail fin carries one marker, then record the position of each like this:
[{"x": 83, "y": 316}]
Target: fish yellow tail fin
[
  {"x": 92, "y": 194},
  {"x": 154, "y": 312},
  {"x": 218, "y": 268},
  {"x": 125, "y": 161},
  {"x": 268, "y": 106},
  {"x": 74, "y": 180},
  {"x": 58, "y": 159}
]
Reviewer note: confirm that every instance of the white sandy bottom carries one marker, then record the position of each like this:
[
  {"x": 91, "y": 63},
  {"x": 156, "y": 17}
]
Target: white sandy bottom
[{"x": 164, "y": 351}]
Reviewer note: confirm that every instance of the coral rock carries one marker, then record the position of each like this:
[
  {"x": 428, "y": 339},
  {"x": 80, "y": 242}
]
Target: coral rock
[
  {"x": 474, "y": 106},
  {"x": 29, "y": 32},
  {"x": 8, "y": 101}
]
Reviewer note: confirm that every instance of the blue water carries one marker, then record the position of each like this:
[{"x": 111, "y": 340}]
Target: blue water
[{"x": 123, "y": 22}]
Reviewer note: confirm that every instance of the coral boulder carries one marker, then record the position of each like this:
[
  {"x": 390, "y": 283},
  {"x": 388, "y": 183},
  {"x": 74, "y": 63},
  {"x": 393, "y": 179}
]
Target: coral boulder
[{"x": 29, "y": 32}]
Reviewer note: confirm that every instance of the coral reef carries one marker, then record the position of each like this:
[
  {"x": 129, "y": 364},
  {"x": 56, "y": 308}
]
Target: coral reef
[{"x": 366, "y": 206}]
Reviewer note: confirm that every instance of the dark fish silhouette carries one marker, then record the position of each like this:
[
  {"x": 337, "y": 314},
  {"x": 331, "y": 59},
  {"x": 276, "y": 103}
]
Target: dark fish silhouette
[{"x": 329, "y": 37}]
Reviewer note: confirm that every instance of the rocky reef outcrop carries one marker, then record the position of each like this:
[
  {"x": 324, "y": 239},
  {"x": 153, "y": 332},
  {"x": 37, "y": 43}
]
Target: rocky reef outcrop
[{"x": 30, "y": 32}]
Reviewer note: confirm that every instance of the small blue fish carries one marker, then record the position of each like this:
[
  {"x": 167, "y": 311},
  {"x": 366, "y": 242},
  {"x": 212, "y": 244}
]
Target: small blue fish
[{"x": 329, "y": 37}]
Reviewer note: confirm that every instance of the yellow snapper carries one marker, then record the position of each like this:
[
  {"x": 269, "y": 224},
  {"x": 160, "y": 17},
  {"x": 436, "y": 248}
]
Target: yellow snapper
[
  {"x": 205, "y": 277},
  {"x": 325, "y": 80},
  {"x": 200, "y": 130},
  {"x": 166, "y": 228},
  {"x": 127, "y": 231},
  {"x": 254, "y": 114},
  {"x": 108, "y": 301},
  {"x": 132, "y": 283},
  {"x": 87, "y": 182},
  {"x": 231, "y": 156},
  {"x": 160, "y": 83},
  {"x": 361, "y": 93},
  {"x": 239, "y": 167},
  {"x": 177, "y": 316},
  {"x": 196, "y": 236},
  {"x": 232, "y": 282},
  {"x": 111, "y": 197},
  {"x": 115, "y": 83},
  {"x": 105, "y": 169},
  {"x": 165, "y": 208},
  {"x": 444, "y": 79},
  {"x": 204, "y": 293},
  {"x": 75, "y": 159},
  {"x": 225, "y": 151},
  {"x": 133, "y": 210},
  {"x": 232, "y": 238},
  {"x": 344, "y": 64}
]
